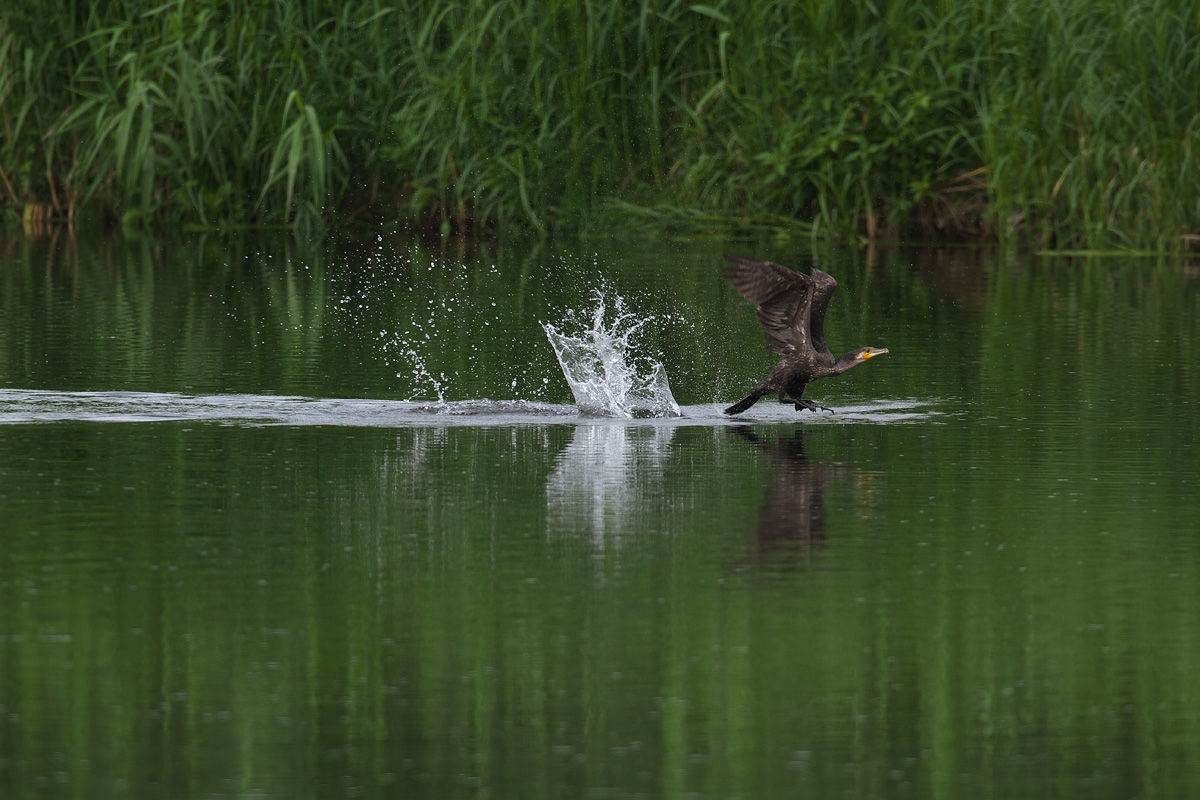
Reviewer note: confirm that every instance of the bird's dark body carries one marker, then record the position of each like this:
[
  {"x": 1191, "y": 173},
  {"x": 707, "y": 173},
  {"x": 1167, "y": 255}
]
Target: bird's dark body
[{"x": 791, "y": 309}]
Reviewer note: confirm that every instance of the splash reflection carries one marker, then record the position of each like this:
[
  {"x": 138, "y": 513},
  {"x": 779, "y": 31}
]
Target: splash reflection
[{"x": 604, "y": 477}]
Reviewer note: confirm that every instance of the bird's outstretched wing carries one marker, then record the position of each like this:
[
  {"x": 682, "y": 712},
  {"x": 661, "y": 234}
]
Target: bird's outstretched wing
[
  {"x": 823, "y": 286},
  {"x": 785, "y": 301}
]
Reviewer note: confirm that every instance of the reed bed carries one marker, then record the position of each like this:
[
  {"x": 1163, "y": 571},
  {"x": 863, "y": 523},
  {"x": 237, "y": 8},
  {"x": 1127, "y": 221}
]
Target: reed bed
[{"x": 1070, "y": 122}]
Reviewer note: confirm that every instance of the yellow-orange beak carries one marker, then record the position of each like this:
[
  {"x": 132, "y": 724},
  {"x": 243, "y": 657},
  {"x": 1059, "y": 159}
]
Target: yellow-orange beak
[{"x": 873, "y": 352}]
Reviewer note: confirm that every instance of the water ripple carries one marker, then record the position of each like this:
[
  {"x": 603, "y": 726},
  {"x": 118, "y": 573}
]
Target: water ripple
[{"x": 30, "y": 406}]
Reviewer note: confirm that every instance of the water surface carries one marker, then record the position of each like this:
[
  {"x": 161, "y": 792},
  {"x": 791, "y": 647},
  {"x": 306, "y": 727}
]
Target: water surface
[{"x": 328, "y": 522}]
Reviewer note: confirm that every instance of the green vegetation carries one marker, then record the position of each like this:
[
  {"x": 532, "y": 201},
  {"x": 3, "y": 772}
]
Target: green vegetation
[{"x": 1072, "y": 122}]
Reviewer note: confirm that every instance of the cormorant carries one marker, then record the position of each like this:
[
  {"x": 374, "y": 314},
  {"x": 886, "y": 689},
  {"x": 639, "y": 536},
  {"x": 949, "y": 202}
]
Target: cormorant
[{"x": 791, "y": 307}]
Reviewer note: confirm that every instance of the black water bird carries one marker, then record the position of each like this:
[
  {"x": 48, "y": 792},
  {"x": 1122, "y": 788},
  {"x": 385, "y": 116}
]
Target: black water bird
[{"x": 791, "y": 307}]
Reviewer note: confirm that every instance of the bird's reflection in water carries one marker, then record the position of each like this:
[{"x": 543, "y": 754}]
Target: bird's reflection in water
[{"x": 791, "y": 522}]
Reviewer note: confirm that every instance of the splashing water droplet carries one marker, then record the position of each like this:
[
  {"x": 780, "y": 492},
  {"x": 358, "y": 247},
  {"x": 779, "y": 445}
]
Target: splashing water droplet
[{"x": 602, "y": 370}]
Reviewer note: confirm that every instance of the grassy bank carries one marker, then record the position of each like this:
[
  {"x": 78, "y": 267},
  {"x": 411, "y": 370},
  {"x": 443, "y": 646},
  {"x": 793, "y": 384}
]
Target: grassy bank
[{"x": 1072, "y": 122}]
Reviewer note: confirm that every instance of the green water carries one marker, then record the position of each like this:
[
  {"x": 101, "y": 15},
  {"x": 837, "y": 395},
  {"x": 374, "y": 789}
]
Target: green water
[{"x": 225, "y": 573}]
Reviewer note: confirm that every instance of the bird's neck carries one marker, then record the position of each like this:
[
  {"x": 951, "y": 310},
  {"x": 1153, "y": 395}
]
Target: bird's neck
[{"x": 843, "y": 364}]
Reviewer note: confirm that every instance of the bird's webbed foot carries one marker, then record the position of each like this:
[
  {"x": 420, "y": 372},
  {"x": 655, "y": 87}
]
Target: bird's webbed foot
[{"x": 811, "y": 406}]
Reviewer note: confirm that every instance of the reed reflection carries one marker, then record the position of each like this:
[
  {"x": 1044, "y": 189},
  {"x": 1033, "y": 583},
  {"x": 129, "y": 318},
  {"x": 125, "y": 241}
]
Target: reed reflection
[{"x": 791, "y": 521}]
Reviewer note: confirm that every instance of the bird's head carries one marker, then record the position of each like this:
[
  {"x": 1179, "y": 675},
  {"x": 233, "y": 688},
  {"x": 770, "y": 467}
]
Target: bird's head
[
  {"x": 864, "y": 353},
  {"x": 855, "y": 357}
]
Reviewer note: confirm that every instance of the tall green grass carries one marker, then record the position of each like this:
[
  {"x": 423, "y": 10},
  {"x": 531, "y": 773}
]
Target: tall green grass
[
  {"x": 1091, "y": 131},
  {"x": 1068, "y": 121}
]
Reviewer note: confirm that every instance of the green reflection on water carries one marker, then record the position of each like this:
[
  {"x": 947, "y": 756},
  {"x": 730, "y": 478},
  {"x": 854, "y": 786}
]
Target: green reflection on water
[{"x": 1000, "y": 600}]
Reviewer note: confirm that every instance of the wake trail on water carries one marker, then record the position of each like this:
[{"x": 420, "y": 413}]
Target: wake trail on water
[
  {"x": 601, "y": 365},
  {"x": 36, "y": 406}
]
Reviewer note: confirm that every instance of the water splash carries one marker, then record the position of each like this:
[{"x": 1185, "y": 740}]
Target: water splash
[
  {"x": 396, "y": 346},
  {"x": 604, "y": 374}
]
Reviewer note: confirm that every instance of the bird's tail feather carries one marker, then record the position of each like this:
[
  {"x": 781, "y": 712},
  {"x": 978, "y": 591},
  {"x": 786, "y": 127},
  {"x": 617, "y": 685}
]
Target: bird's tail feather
[{"x": 744, "y": 403}]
